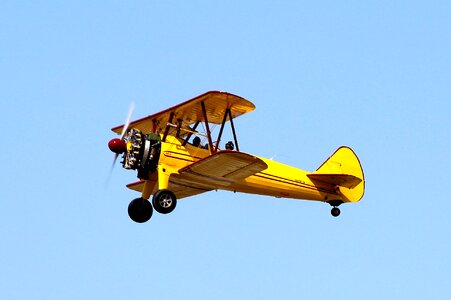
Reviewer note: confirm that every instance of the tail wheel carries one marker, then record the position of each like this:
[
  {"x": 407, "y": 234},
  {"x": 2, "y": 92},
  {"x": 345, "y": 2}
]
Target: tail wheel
[
  {"x": 140, "y": 210},
  {"x": 335, "y": 211},
  {"x": 164, "y": 201}
]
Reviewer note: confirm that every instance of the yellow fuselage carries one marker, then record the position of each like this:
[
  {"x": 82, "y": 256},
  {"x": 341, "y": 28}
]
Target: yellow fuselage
[{"x": 278, "y": 180}]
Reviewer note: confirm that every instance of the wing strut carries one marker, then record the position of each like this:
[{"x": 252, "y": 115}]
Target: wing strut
[
  {"x": 166, "y": 131},
  {"x": 155, "y": 126},
  {"x": 233, "y": 131},
  {"x": 179, "y": 127},
  {"x": 227, "y": 113},
  {"x": 222, "y": 128},
  {"x": 210, "y": 142}
]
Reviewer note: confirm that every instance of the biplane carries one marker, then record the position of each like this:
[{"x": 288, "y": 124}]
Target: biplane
[{"x": 166, "y": 151}]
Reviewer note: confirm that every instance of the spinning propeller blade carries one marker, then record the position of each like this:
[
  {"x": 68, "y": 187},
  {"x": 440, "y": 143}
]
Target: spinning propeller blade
[
  {"x": 127, "y": 121},
  {"x": 114, "y": 144},
  {"x": 114, "y": 161},
  {"x": 110, "y": 173}
]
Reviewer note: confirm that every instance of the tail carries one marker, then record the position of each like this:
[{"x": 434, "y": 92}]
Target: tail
[{"x": 344, "y": 171}]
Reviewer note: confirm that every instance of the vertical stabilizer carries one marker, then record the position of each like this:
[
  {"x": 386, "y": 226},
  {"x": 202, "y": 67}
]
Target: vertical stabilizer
[{"x": 343, "y": 169}]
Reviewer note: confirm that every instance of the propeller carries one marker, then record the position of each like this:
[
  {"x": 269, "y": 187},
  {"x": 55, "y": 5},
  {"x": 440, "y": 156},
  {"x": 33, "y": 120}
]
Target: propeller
[
  {"x": 118, "y": 145},
  {"x": 127, "y": 121}
]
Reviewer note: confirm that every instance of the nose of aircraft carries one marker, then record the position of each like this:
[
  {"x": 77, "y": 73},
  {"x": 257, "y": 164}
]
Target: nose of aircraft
[{"x": 118, "y": 146}]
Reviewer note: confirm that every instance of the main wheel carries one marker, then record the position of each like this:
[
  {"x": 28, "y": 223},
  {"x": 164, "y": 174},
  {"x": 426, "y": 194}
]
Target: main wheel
[
  {"x": 140, "y": 210},
  {"x": 335, "y": 211},
  {"x": 164, "y": 201}
]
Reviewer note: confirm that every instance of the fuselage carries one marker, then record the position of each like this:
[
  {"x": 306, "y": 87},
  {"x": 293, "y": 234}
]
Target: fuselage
[{"x": 278, "y": 180}]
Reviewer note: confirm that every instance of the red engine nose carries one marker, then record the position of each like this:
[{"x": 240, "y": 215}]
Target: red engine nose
[{"x": 118, "y": 146}]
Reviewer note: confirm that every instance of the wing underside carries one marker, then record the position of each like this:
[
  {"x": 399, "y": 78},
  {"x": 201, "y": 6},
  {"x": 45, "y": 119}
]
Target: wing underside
[
  {"x": 213, "y": 172},
  {"x": 180, "y": 189}
]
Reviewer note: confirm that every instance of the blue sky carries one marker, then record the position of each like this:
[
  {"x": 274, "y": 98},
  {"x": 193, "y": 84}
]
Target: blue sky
[{"x": 373, "y": 75}]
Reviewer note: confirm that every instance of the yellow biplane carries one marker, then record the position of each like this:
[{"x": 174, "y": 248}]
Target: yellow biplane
[{"x": 166, "y": 151}]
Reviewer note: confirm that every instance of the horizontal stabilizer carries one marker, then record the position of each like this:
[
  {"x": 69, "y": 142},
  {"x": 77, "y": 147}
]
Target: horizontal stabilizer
[{"x": 345, "y": 180}]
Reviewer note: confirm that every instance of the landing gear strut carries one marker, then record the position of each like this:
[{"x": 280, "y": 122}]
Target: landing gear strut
[{"x": 335, "y": 211}]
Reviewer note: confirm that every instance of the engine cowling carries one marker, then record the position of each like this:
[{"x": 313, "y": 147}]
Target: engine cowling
[{"x": 142, "y": 152}]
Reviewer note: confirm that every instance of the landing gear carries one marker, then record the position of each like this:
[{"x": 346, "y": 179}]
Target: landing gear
[
  {"x": 140, "y": 210},
  {"x": 335, "y": 211},
  {"x": 164, "y": 201}
]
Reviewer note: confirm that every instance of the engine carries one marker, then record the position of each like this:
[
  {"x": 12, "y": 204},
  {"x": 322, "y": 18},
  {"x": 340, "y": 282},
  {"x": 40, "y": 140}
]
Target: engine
[{"x": 143, "y": 152}]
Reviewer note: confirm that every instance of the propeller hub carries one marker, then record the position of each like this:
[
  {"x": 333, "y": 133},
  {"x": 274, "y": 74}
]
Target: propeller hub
[{"x": 117, "y": 146}]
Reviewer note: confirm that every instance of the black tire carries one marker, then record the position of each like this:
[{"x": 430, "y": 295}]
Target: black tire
[
  {"x": 164, "y": 201},
  {"x": 335, "y": 211},
  {"x": 140, "y": 210}
]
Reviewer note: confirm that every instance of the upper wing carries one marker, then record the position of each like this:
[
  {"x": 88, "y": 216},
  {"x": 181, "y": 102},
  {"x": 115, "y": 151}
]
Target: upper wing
[
  {"x": 189, "y": 112},
  {"x": 213, "y": 172}
]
